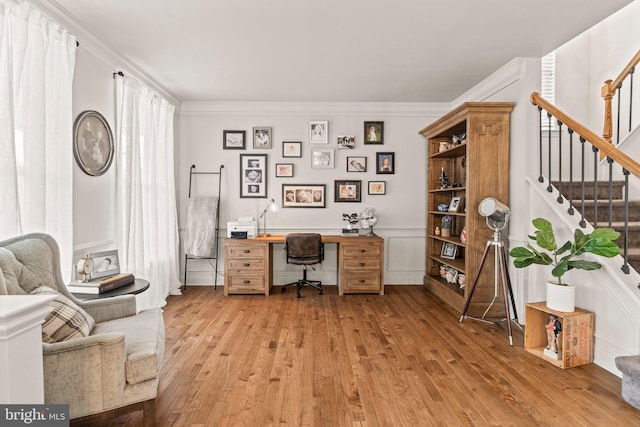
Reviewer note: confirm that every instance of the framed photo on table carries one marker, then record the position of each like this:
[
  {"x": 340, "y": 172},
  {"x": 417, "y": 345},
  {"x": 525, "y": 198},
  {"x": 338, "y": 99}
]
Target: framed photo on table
[
  {"x": 303, "y": 195},
  {"x": 253, "y": 177},
  {"x": 105, "y": 264},
  {"x": 233, "y": 139},
  {"x": 93, "y": 145}
]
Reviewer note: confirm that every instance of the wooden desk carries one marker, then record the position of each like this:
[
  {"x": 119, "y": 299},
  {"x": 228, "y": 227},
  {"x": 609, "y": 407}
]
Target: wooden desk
[{"x": 248, "y": 264}]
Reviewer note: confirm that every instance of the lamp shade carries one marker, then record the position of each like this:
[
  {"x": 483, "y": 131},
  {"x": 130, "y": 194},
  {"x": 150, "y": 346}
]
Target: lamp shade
[{"x": 493, "y": 209}]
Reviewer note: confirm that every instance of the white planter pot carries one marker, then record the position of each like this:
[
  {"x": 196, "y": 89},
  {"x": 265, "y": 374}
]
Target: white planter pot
[{"x": 561, "y": 298}]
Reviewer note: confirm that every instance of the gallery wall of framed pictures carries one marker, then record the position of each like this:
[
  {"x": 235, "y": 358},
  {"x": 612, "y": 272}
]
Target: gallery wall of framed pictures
[{"x": 352, "y": 152}]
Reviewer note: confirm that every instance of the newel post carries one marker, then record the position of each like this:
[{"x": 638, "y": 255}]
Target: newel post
[{"x": 607, "y": 95}]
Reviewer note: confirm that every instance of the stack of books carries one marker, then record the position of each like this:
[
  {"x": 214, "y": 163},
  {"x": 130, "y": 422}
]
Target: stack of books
[
  {"x": 350, "y": 232},
  {"x": 101, "y": 286}
]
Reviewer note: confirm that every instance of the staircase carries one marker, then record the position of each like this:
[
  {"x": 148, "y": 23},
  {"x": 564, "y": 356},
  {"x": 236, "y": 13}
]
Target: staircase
[{"x": 617, "y": 212}]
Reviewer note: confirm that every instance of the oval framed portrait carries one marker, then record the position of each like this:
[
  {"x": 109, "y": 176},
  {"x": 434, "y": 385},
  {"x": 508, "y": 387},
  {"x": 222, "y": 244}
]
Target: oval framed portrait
[{"x": 92, "y": 143}]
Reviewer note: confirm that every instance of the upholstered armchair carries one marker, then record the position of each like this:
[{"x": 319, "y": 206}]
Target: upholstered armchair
[{"x": 103, "y": 361}]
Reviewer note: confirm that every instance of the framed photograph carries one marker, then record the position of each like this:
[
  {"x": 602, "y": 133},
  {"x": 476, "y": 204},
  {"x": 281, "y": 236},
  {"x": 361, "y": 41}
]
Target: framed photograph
[
  {"x": 284, "y": 170},
  {"x": 356, "y": 164},
  {"x": 347, "y": 142},
  {"x": 292, "y": 149},
  {"x": 253, "y": 178},
  {"x": 455, "y": 204},
  {"x": 322, "y": 158},
  {"x": 347, "y": 191},
  {"x": 374, "y": 132},
  {"x": 319, "y": 132},
  {"x": 385, "y": 163},
  {"x": 449, "y": 250},
  {"x": 233, "y": 139},
  {"x": 262, "y": 138},
  {"x": 105, "y": 264},
  {"x": 304, "y": 195},
  {"x": 377, "y": 187},
  {"x": 93, "y": 145}
]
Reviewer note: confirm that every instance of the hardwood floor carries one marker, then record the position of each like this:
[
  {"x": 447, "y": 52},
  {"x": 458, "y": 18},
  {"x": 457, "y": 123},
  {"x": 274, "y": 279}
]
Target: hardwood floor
[{"x": 401, "y": 359}]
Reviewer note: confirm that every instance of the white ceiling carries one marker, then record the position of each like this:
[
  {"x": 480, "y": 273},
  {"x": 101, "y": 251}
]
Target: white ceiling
[{"x": 330, "y": 50}]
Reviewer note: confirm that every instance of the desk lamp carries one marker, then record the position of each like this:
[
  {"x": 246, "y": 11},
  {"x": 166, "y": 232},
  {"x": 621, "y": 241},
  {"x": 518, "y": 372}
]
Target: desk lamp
[{"x": 271, "y": 207}]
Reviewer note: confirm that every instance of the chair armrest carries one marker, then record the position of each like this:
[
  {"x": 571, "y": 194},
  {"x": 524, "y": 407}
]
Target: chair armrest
[
  {"x": 86, "y": 373},
  {"x": 106, "y": 309}
]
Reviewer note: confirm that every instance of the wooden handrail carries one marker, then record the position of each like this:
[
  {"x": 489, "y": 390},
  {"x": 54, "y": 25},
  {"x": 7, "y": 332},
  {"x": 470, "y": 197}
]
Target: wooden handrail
[
  {"x": 607, "y": 92},
  {"x": 605, "y": 148}
]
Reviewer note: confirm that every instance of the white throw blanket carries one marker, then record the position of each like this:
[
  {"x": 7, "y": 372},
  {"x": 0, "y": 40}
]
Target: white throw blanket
[{"x": 200, "y": 234}]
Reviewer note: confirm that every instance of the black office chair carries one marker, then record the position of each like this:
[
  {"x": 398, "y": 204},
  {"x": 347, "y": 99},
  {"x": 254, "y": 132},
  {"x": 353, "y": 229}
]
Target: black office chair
[{"x": 304, "y": 249}]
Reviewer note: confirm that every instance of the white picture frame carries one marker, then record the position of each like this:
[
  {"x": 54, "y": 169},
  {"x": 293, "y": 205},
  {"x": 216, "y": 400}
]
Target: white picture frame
[
  {"x": 322, "y": 158},
  {"x": 319, "y": 132}
]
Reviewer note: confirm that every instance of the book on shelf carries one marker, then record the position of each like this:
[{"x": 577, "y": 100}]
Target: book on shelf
[{"x": 101, "y": 286}]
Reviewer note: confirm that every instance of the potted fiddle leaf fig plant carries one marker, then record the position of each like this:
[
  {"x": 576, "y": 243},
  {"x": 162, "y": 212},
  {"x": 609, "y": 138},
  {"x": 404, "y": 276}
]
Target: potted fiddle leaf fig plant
[{"x": 600, "y": 241}]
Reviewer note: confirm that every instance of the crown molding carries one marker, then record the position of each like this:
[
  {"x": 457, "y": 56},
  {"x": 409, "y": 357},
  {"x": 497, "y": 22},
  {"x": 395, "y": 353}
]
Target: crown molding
[{"x": 505, "y": 76}]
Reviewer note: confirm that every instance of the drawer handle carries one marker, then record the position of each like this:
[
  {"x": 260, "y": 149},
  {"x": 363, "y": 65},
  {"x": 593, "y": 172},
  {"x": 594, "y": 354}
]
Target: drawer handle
[
  {"x": 246, "y": 282},
  {"x": 362, "y": 251},
  {"x": 361, "y": 281},
  {"x": 362, "y": 264},
  {"x": 247, "y": 251},
  {"x": 246, "y": 265}
]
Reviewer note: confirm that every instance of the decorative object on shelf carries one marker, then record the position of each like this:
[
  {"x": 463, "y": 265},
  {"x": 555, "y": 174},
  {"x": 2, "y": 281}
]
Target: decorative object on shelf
[
  {"x": 319, "y": 132},
  {"x": 93, "y": 145},
  {"x": 454, "y": 206},
  {"x": 449, "y": 250},
  {"x": 374, "y": 132},
  {"x": 446, "y": 225},
  {"x": 443, "y": 271},
  {"x": 600, "y": 241},
  {"x": 352, "y": 219},
  {"x": 292, "y": 149},
  {"x": 385, "y": 163},
  {"x": 347, "y": 191},
  {"x": 85, "y": 267},
  {"x": 463, "y": 234},
  {"x": 262, "y": 137},
  {"x": 443, "y": 207},
  {"x": 368, "y": 219},
  {"x": 303, "y": 195},
  {"x": 443, "y": 146},
  {"x": 554, "y": 338},
  {"x": 458, "y": 139},
  {"x": 462, "y": 280},
  {"x": 253, "y": 178},
  {"x": 452, "y": 275},
  {"x": 272, "y": 206},
  {"x": 443, "y": 179},
  {"x": 233, "y": 139},
  {"x": 437, "y": 231}
]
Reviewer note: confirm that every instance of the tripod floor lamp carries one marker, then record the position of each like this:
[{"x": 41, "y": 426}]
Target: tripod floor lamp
[{"x": 497, "y": 216}]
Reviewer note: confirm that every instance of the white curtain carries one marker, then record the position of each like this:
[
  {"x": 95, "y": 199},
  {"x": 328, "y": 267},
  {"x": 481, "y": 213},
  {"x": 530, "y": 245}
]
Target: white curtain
[
  {"x": 146, "y": 202},
  {"x": 37, "y": 60}
]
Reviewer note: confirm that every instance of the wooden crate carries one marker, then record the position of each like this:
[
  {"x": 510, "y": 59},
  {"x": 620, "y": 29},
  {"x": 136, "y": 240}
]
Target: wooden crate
[{"x": 577, "y": 334}]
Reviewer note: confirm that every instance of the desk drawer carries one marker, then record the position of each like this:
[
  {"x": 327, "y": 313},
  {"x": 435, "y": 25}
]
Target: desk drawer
[
  {"x": 241, "y": 284},
  {"x": 362, "y": 282},
  {"x": 372, "y": 250},
  {"x": 358, "y": 264},
  {"x": 243, "y": 265},
  {"x": 240, "y": 251}
]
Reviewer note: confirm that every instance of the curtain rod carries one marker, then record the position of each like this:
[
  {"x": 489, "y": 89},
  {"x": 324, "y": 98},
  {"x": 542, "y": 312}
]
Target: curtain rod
[{"x": 119, "y": 73}]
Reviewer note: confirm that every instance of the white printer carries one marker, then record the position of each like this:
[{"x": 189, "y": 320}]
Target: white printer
[{"x": 244, "y": 228}]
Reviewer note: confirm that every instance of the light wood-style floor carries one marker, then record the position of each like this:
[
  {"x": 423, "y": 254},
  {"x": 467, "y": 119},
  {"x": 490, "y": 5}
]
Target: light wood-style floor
[{"x": 401, "y": 359}]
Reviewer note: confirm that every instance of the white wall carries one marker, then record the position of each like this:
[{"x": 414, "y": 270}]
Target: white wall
[{"x": 401, "y": 210}]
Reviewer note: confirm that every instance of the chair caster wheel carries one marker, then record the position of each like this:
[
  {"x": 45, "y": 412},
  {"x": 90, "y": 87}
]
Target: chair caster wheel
[
  {"x": 320, "y": 292},
  {"x": 283, "y": 289},
  {"x": 298, "y": 295}
]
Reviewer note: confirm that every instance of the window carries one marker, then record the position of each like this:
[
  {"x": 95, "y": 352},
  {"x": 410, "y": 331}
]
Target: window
[{"x": 548, "y": 85}]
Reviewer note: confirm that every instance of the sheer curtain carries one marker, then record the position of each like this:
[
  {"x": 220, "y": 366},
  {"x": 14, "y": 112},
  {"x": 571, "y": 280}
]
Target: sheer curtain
[
  {"x": 146, "y": 202},
  {"x": 37, "y": 60}
]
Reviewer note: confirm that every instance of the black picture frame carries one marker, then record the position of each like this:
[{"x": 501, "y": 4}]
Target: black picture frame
[
  {"x": 347, "y": 191},
  {"x": 449, "y": 250},
  {"x": 284, "y": 170},
  {"x": 373, "y": 133},
  {"x": 93, "y": 146},
  {"x": 304, "y": 195},
  {"x": 234, "y": 139},
  {"x": 262, "y": 138},
  {"x": 385, "y": 163},
  {"x": 253, "y": 176},
  {"x": 291, "y": 149},
  {"x": 356, "y": 164}
]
